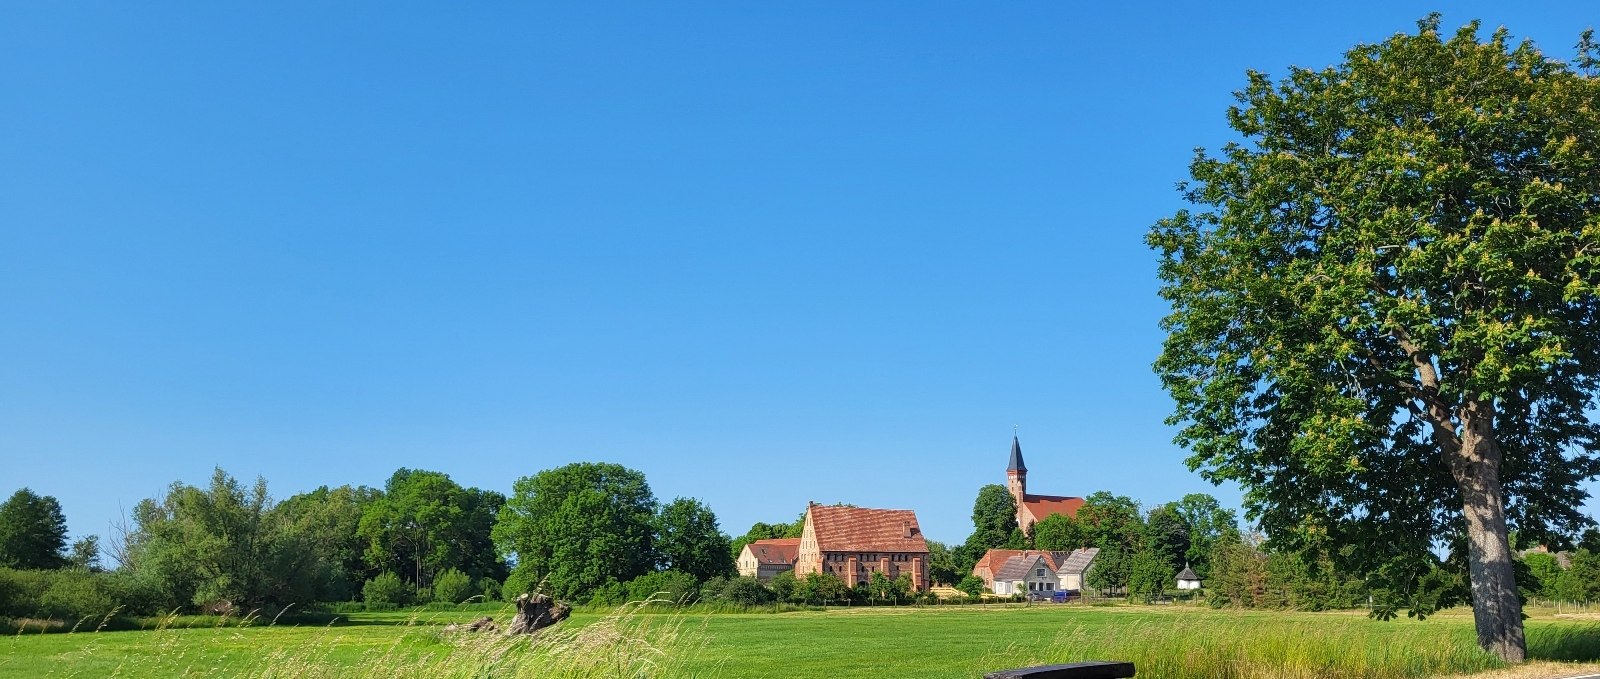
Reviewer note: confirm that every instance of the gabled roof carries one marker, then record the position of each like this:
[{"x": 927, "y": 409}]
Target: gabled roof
[
  {"x": 1018, "y": 567},
  {"x": 1078, "y": 561},
  {"x": 858, "y": 529},
  {"x": 1016, "y": 464},
  {"x": 1188, "y": 574},
  {"x": 1042, "y": 506},
  {"x": 782, "y": 551},
  {"x": 994, "y": 559}
]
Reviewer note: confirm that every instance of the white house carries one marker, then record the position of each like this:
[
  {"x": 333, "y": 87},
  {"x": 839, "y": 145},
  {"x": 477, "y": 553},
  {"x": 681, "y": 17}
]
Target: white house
[
  {"x": 1188, "y": 580},
  {"x": 1024, "y": 574},
  {"x": 764, "y": 559}
]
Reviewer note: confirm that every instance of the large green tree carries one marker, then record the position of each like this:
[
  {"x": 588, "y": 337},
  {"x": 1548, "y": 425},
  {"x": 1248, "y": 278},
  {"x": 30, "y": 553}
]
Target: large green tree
[
  {"x": 994, "y": 523},
  {"x": 424, "y": 523},
  {"x": 1208, "y": 522},
  {"x": 33, "y": 531},
  {"x": 326, "y": 522},
  {"x": 579, "y": 526},
  {"x": 1384, "y": 303},
  {"x": 688, "y": 539}
]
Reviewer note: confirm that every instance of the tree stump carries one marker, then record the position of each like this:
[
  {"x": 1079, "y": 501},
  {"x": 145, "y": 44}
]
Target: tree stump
[
  {"x": 483, "y": 624},
  {"x": 536, "y": 612}
]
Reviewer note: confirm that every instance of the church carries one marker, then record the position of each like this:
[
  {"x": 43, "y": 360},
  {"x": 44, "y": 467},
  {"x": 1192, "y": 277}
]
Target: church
[{"x": 1033, "y": 508}]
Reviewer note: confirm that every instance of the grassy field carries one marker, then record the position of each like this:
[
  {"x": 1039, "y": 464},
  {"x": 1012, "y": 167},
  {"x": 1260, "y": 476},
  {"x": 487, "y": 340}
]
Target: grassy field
[{"x": 955, "y": 642}]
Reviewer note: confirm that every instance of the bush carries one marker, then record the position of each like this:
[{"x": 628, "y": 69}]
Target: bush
[
  {"x": 742, "y": 591},
  {"x": 670, "y": 585},
  {"x": 783, "y": 586},
  {"x": 75, "y": 595},
  {"x": 489, "y": 588},
  {"x": 387, "y": 588},
  {"x": 452, "y": 587},
  {"x": 610, "y": 594},
  {"x": 972, "y": 585},
  {"x": 521, "y": 581}
]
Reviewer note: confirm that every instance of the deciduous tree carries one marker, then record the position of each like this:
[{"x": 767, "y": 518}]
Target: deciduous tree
[
  {"x": 1384, "y": 303},
  {"x": 580, "y": 526},
  {"x": 33, "y": 531},
  {"x": 689, "y": 540}
]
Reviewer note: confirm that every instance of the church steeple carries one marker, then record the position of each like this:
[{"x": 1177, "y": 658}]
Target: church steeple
[
  {"x": 1017, "y": 478},
  {"x": 1016, "y": 457}
]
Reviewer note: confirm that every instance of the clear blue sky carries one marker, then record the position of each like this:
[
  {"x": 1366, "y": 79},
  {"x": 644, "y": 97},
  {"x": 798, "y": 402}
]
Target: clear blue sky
[{"x": 764, "y": 252}]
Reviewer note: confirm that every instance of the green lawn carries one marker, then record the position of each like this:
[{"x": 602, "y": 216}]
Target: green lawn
[{"x": 949, "y": 642}]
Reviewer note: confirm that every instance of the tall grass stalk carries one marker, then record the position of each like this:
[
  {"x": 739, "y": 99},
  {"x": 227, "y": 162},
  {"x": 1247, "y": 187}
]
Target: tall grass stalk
[{"x": 1208, "y": 648}]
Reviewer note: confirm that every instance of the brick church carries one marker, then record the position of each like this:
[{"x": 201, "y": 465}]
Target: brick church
[{"x": 1033, "y": 508}]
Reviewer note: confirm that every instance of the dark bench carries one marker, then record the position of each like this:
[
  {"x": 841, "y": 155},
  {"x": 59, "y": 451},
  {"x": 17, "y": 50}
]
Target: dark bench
[{"x": 1078, "y": 670}]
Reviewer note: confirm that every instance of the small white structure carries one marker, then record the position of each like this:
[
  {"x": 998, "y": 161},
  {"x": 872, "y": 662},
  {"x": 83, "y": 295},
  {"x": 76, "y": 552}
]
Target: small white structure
[{"x": 1187, "y": 579}]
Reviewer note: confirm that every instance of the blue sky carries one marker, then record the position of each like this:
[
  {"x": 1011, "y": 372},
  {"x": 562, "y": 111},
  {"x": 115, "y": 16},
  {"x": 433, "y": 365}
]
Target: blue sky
[{"x": 764, "y": 252}]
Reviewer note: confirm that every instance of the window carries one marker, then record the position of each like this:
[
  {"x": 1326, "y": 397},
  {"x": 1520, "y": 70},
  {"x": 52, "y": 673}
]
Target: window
[
  {"x": 1049, "y": 586},
  {"x": 1039, "y": 572}
]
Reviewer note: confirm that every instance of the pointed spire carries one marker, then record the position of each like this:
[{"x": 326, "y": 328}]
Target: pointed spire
[{"x": 1016, "y": 456}]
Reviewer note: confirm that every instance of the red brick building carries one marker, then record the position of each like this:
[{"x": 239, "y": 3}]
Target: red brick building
[{"x": 854, "y": 542}]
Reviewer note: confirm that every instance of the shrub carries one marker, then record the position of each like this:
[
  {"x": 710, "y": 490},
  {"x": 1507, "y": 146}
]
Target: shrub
[
  {"x": 387, "y": 588},
  {"x": 783, "y": 585},
  {"x": 742, "y": 591},
  {"x": 489, "y": 588},
  {"x": 74, "y": 595},
  {"x": 452, "y": 587},
  {"x": 610, "y": 594},
  {"x": 972, "y": 585},
  {"x": 521, "y": 581},
  {"x": 669, "y": 585}
]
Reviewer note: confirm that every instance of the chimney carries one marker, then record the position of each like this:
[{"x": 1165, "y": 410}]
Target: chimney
[{"x": 905, "y": 528}]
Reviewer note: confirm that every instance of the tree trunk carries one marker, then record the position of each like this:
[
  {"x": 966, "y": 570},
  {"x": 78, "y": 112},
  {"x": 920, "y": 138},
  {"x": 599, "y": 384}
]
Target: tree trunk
[{"x": 1496, "y": 608}]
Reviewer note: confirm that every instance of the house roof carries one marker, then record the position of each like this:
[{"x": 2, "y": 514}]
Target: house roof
[
  {"x": 858, "y": 529},
  {"x": 1078, "y": 561},
  {"x": 1018, "y": 567},
  {"x": 1062, "y": 562},
  {"x": 782, "y": 551},
  {"x": 1188, "y": 574},
  {"x": 1041, "y": 506},
  {"x": 1016, "y": 464}
]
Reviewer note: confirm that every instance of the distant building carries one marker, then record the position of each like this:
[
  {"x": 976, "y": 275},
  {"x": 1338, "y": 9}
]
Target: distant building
[
  {"x": 1032, "y": 509},
  {"x": 854, "y": 542},
  {"x": 1003, "y": 569},
  {"x": 763, "y": 559},
  {"x": 1187, "y": 579}
]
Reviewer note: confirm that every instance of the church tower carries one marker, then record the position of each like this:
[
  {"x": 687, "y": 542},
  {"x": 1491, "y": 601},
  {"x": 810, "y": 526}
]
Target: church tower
[{"x": 1017, "y": 477}]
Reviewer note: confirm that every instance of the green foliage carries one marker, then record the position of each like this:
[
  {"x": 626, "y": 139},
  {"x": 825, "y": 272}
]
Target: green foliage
[
  {"x": 388, "y": 588},
  {"x": 1544, "y": 575},
  {"x": 85, "y": 553},
  {"x": 971, "y": 584},
  {"x": 1150, "y": 574},
  {"x": 522, "y": 580},
  {"x": 669, "y": 586},
  {"x": 1581, "y": 580},
  {"x": 218, "y": 545},
  {"x": 610, "y": 594},
  {"x": 325, "y": 523},
  {"x": 739, "y": 591},
  {"x": 1383, "y": 304},
  {"x": 994, "y": 515},
  {"x": 452, "y": 586},
  {"x": 33, "y": 531},
  {"x": 424, "y": 523},
  {"x": 1166, "y": 536},
  {"x": 1059, "y": 532},
  {"x": 1208, "y": 522},
  {"x": 942, "y": 566},
  {"x": 884, "y": 588},
  {"x": 580, "y": 525},
  {"x": 76, "y": 595},
  {"x": 688, "y": 539},
  {"x": 1112, "y": 523},
  {"x": 488, "y": 588},
  {"x": 820, "y": 588},
  {"x": 784, "y": 585}
]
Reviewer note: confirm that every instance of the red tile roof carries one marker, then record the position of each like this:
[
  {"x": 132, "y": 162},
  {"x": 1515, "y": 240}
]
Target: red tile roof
[
  {"x": 776, "y": 551},
  {"x": 857, "y": 529},
  {"x": 994, "y": 558},
  {"x": 1041, "y": 506}
]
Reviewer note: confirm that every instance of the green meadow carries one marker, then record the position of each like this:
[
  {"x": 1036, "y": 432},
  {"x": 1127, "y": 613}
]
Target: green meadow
[{"x": 1182, "y": 643}]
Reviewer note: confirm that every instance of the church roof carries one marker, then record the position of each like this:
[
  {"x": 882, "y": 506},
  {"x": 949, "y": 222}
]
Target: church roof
[
  {"x": 1041, "y": 506},
  {"x": 858, "y": 529},
  {"x": 1188, "y": 574},
  {"x": 775, "y": 551},
  {"x": 1016, "y": 464}
]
